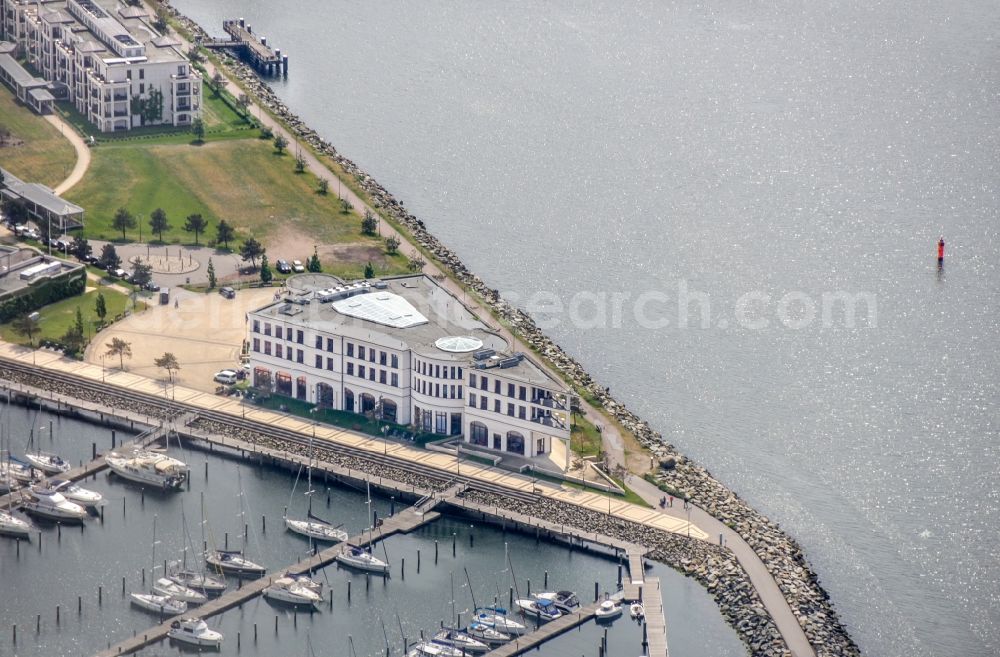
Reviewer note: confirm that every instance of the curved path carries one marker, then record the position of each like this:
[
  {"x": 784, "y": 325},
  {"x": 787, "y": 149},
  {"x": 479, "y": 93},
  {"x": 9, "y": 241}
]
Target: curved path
[{"x": 82, "y": 153}]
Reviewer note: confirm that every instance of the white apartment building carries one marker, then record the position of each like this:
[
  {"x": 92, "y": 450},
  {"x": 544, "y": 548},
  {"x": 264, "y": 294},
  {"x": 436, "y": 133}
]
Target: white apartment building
[
  {"x": 409, "y": 348},
  {"x": 107, "y": 59}
]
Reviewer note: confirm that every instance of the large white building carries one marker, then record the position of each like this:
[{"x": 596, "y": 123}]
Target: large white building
[
  {"x": 405, "y": 347},
  {"x": 107, "y": 59}
]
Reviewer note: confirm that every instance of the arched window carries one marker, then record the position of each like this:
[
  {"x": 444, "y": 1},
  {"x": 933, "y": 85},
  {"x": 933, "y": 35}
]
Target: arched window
[
  {"x": 283, "y": 383},
  {"x": 324, "y": 395},
  {"x": 348, "y": 400},
  {"x": 515, "y": 442},
  {"x": 479, "y": 434},
  {"x": 262, "y": 378},
  {"x": 388, "y": 410},
  {"x": 367, "y": 402}
]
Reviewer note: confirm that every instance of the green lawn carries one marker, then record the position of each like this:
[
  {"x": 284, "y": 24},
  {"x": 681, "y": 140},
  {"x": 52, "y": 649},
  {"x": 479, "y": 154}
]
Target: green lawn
[
  {"x": 243, "y": 181},
  {"x": 585, "y": 439},
  {"x": 56, "y": 318},
  {"x": 45, "y": 156}
]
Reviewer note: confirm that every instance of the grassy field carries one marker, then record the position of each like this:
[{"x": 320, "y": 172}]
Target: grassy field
[
  {"x": 242, "y": 181},
  {"x": 585, "y": 440},
  {"x": 56, "y": 318},
  {"x": 45, "y": 156}
]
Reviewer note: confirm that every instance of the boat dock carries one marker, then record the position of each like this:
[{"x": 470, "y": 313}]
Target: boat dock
[
  {"x": 98, "y": 463},
  {"x": 635, "y": 588},
  {"x": 251, "y": 47},
  {"x": 400, "y": 523}
]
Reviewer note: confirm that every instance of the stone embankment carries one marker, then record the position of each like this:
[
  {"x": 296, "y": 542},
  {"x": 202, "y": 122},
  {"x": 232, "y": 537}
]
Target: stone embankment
[
  {"x": 780, "y": 553},
  {"x": 108, "y": 400}
]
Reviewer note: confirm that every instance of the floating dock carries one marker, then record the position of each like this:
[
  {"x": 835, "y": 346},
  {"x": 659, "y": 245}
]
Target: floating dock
[{"x": 251, "y": 47}]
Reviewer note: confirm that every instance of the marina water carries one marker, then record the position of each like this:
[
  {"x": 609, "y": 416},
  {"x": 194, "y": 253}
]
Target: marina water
[
  {"x": 74, "y": 562},
  {"x": 735, "y": 148}
]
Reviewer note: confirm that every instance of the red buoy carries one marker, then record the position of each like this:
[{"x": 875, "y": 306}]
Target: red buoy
[{"x": 941, "y": 251}]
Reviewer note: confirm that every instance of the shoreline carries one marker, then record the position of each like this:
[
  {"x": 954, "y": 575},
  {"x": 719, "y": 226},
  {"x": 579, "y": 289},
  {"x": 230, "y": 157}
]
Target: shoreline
[{"x": 780, "y": 553}]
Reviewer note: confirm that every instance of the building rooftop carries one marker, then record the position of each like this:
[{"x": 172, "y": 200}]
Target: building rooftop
[
  {"x": 409, "y": 312},
  {"x": 17, "y": 73},
  {"x": 40, "y": 195},
  {"x": 15, "y": 261}
]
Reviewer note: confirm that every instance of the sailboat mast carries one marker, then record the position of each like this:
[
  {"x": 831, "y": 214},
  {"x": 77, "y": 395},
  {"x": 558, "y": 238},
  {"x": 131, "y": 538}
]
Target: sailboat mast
[
  {"x": 152, "y": 565},
  {"x": 471, "y": 592}
]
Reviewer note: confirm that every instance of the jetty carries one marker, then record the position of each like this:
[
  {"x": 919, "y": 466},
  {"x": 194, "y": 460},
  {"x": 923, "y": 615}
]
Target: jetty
[
  {"x": 252, "y": 48},
  {"x": 401, "y": 523}
]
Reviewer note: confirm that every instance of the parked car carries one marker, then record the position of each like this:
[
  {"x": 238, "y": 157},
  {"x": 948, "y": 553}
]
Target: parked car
[
  {"x": 227, "y": 377},
  {"x": 227, "y": 292},
  {"x": 119, "y": 273},
  {"x": 283, "y": 267},
  {"x": 297, "y": 266},
  {"x": 151, "y": 287}
]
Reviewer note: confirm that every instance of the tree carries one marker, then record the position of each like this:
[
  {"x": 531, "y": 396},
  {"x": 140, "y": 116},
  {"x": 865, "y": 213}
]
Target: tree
[
  {"x": 75, "y": 338},
  {"x": 121, "y": 348},
  {"x": 224, "y": 233},
  {"x": 266, "y": 132},
  {"x": 81, "y": 247},
  {"x": 370, "y": 223},
  {"x": 198, "y": 130},
  {"x": 243, "y": 102},
  {"x": 142, "y": 273},
  {"x": 169, "y": 363},
  {"x": 323, "y": 186},
  {"x": 266, "y": 275},
  {"x": 26, "y": 326},
  {"x": 280, "y": 144},
  {"x": 15, "y": 210},
  {"x": 218, "y": 82},
  {"x": 416, "y": 262},
  {"x": 300, "y": 163},
  {"x": 123, "y": 220},
  {"x": 312, "y": 264},
  {"x": 158, "y": 222},
  {"x": 160, "y": 22},
  {"x": 211, "y": 275},
  {"x": 392, "y": 244},
  {"x": 345, "y": 206},
  {"x": 251, "y": 250},
  {"x": 369, "y": 270},
  {"x": 109, "y": 259},
  {"x": 195, "y": 223},
  {"x": 101, "y": 307}
]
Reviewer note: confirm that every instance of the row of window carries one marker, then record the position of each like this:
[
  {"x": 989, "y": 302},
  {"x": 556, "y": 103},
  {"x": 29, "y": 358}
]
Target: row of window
[
  {"x": 370, "y": 354},
  {"x": 512, "y": 409},
  {"x": 439, "y": 390},
  {"x": 383, "y": 377},
  {"x": 513, "y": 391},
  {"x": 436, "y": 370},
  {"x": 280, "y": 332},
  {"x": 279, "y": 350}
]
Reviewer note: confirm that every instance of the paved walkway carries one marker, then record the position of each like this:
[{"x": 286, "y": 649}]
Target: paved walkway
[{"x": 82, "y": 153}]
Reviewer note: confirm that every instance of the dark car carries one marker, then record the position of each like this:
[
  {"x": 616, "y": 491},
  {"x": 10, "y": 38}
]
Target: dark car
[
  {"x": 227, "y": 292},
  {"x": 151, "y": 287},
  {"x": 283, "y": 267}
]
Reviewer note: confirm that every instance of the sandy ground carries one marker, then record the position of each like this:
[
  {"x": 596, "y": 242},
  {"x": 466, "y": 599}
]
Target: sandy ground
[{"x": 205, "y": 332}]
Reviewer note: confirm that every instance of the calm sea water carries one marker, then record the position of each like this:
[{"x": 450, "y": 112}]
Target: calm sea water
[
  {"x": 739, "y": 148},
  {"x": 34, "y": 581}
]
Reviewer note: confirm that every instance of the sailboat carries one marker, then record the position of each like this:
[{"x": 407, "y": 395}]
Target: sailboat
[
  {"x": 199, "y": 580},
  {"x": 234, "y": 562},
  {"x": 161, "y": 604},
  {"x": 314, "y": 527},
  {"x": 11, "y": 525},
  {"x": 360, "y": 558}
]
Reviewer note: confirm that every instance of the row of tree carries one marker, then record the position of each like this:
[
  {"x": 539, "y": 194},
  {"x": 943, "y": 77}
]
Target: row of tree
[{"x": 159, "y": 224}]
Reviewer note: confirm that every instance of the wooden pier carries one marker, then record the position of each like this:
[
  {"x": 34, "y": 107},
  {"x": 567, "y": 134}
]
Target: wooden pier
[
  {"x": 401, "y": 523},
  {"x": 547, "y": 631},
  {"x": 251, "y": 47}
]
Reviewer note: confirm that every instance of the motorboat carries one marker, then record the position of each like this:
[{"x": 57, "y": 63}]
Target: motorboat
[
  {"x": 447, "y": 636},
  {"x": 196, "y": 632},
  {"x": 48, "y": 463},
  {"x": 51, "y": 505},
  {"x": 149, "y": 468},
  {"x": 636, "y": 610},
  {"x": 175, "y": 591},
  {"x": 11, "y": 525},
  {"x": 608, "y": 610},
  {"x": 497, "y": 618},
  {"x": 160, "y": 604},
  {"x": 232, "y": 562},
  {"x": 488, "y": 635},
  {"x": 317, "y": 530},
  {"x": 291, "y": 591},
  {"x": 74, "y": 493},
  {"x": 564, "y": 601},
  {"x": 207, "y": 584},
  {"x": 361, "y": 559},
  {"x": 431, "y": 649},
  {"x": 543, "y": 610}
]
